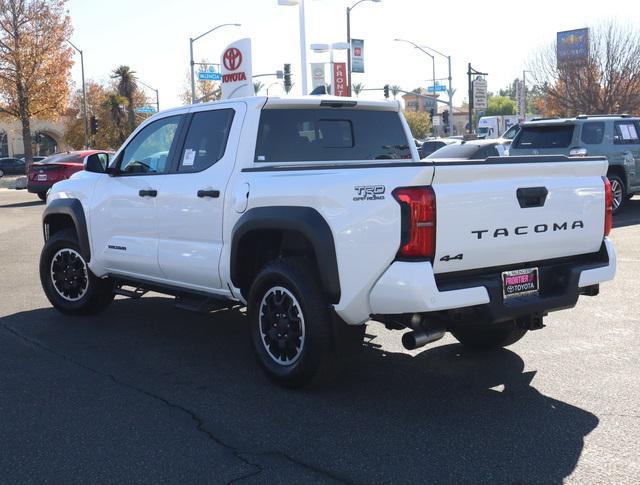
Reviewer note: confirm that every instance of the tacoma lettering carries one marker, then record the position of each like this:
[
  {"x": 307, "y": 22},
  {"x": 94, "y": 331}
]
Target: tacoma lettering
[{"x": 523, "y": 230}]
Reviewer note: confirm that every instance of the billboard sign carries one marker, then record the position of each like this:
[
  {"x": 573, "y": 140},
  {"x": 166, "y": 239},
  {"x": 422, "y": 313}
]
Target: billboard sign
[
  {"x": 236, "y": 70},
  {"x": 572, "y": 46},
  {"x": 480, "y": 94},
  {"x": 317, "y": 74},
  {"x": 357, "y": 55},
  {"x": 341, "y": 87}
]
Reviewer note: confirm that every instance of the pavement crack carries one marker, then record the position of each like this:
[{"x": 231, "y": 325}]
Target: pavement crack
[{"x": 242, "y": 456}]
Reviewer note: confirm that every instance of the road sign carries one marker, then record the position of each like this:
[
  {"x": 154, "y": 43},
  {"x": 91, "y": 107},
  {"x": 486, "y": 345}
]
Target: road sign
[
  {"x": 145, "y": 109},
  {"x": 209, "y": 76},
  {"x": 438, "y": 88},
  {"x": 480, "y": 94}
]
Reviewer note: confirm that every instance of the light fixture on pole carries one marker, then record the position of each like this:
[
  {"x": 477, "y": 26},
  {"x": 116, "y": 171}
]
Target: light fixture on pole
[
  {"x": 303, "y": 40},
  {"x": 84, "y": 97},
  {"x": 321, "y": 48},
  {"x": 191, "y": 41},
  {"x": 450, "y": 90},
  {"x": 349, "y": 9},
  {"x": 157, "y": 95},
  {"x": 433, "y": 64}
]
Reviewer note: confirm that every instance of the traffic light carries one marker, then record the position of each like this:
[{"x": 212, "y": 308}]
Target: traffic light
[
  {"x": 432, "y": 112},
  {"x": 93, "y": 121},
  {"x": 386, "y": 91},
  {"x": 445, "y": 117},
  {"x": 287, "y": 78}
]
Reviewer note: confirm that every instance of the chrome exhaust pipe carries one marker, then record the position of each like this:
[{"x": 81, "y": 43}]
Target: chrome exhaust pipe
[{"x": 419, "y": 338}]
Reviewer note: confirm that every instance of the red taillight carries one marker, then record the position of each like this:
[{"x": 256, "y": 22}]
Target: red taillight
[
  {"x": 418, "y": 221},
  {"x": 608, "y": 206}
]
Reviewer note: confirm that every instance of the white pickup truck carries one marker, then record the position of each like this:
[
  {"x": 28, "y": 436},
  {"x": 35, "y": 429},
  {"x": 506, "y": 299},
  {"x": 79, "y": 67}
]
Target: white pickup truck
[{"x": 318, "y": 215}]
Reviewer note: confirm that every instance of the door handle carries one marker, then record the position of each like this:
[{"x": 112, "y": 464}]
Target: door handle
[
  {"x": 532, "y": 196},
  {"x": 148, "y": 193},
  {"x": 214, "y": 194}
]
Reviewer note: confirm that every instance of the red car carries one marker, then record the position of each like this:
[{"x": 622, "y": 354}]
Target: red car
[{"x": 42, "y": 175}]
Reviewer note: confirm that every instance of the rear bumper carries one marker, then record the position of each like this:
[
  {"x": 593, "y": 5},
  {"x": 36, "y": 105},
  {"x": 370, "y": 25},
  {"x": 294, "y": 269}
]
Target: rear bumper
[
  {"x": 413, "y": 288},
  {"x": 36, "y": 188}
]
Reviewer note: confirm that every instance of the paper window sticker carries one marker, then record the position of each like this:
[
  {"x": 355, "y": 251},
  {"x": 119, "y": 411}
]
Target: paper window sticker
[
  {"x": 261, "y": 158},
  {"x": 189, "y": 157}
]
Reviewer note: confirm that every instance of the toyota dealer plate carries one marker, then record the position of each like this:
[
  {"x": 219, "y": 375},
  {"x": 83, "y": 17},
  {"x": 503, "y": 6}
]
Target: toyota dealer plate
[
  {"x": 42, "y": 176},
  {"x": 520, "y": 282}
]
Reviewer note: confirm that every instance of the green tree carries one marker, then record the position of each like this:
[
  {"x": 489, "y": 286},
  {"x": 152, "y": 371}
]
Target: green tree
[
  {"x": 357, "y": 88},
  {"x": 257, "y": 87},
  {"x": 500, "y": 105},
  {"x": 127, "y": 88},
  {"x": 419, "y": 123},
  {"x": 395, "y": 90}
]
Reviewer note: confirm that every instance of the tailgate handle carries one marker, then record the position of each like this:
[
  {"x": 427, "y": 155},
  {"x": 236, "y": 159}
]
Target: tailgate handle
[{"x": 532, "y": 196}]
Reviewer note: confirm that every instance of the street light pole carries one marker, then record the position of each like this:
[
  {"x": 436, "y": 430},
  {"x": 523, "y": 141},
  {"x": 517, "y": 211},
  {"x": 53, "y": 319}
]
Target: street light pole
[
  {"x": 84, "y": 97},
  {"x": 433, "y": 63},
  {"x": 303, "y": 40},
  {"x": 450, "y": 90},
  {"x": 157, "y": 95},
  {"x": 349, "y": 9},
  {"x": 192, "y": 63}
]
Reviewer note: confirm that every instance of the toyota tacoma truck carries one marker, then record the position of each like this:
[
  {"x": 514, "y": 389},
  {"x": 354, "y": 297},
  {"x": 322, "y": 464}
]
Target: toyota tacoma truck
[{"x": 317, "y": 214}]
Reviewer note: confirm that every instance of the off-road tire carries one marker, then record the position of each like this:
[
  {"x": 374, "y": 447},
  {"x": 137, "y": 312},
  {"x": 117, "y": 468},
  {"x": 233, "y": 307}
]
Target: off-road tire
[
  {"x": 290, "y": 320},
  {"x": 84, "y": 293},
  {"x": 492, "y": 336}
]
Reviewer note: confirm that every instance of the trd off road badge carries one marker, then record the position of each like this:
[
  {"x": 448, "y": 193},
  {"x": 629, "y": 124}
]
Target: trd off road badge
[{"x": 369, "y": 192}]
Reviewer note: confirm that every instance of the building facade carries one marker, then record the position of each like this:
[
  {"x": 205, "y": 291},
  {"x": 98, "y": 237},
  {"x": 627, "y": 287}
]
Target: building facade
[{"x": 47, "y": 137}]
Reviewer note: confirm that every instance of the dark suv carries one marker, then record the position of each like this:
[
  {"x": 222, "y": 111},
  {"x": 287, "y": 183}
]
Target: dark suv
[{"x": 616, "y": 137}]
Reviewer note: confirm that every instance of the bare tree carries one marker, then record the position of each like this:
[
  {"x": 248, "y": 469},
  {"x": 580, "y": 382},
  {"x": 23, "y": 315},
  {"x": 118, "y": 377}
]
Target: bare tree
[{"x": 608, "y": 81}]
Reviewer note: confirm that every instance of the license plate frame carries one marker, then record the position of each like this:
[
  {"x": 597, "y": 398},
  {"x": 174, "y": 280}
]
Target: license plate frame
[
  {"x": 520, "y": 282},
  {"x": 42, "y": 177}
]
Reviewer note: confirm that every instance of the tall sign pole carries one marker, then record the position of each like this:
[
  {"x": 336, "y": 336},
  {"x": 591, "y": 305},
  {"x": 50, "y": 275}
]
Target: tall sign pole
[{"x": 472, "y": 72}]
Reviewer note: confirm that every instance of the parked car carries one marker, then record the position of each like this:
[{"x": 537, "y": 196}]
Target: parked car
[
  {"x": 615, "y": 136},
  {"x": 472, "y": 150},
  {"x": 315, "y": 215},
  {"x": 43, "y": 174},
  {"x": 11, "y": 166},
  {"x": 431, "y": 145}
]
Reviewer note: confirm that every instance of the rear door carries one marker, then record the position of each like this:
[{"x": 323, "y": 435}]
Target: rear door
[
  {"x": 626, "y": 138},
  {"x": 494, "y": 213},
  {"x": 191, "y": 204}
]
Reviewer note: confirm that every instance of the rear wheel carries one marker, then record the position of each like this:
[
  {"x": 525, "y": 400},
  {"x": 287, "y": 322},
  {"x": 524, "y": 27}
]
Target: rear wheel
[
  {"x": 618, "y": 192},
  {"x": 290, "y": 322},
  {"x": 67, "y": 281},
  {"x": 42, "y": 196},
  {"x": 491, "y": 336}
]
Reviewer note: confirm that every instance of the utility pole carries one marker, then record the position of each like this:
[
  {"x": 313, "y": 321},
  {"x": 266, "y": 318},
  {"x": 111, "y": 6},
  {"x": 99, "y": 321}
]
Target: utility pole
[
  {"x": 157, "y": 95},
  {"x": 84, "y": 97},
  {"x": 471, "y": 71}
]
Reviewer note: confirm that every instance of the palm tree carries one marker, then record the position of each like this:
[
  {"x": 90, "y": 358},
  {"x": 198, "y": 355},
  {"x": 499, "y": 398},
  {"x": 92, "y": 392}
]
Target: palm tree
[
  {"x": 357, "y": 88},
  {"x": 127, "y": 88},
  {"x": 395, "y": 90},
  {"x": 115, "y": 106},
  {"x": 257, "y": 87}
]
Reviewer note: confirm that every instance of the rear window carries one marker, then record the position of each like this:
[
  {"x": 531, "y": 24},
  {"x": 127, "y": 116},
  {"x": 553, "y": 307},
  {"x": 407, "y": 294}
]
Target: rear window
[
  {"x": 550, "y": 136},
  {"x": 465, "y": 151},
  {"x": 64, "y": 158},
  {"x": 592, "y": 132},
  {"x": 306, "y": 135}
]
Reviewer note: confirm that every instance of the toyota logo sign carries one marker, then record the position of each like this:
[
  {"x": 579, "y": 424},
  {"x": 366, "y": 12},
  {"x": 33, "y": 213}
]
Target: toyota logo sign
[{"x": 232, "y": 58}]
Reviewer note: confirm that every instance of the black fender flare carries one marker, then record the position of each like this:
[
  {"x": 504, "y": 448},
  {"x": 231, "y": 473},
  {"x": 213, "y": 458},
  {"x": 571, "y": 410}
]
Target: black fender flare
[
  {"x": 71, "y": 208},
  {"x": 305, "y": 220}
]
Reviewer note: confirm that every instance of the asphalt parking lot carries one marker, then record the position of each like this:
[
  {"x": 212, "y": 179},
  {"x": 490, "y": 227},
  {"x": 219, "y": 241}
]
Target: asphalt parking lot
[{"x": 147, "y": 393}]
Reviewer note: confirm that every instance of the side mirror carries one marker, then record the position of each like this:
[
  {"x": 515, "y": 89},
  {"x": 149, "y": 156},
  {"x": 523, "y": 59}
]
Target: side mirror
[{"x": 95, "y": 163}]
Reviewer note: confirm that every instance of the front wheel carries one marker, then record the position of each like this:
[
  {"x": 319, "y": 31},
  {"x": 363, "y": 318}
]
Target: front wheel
[
  {"x": 290, "y": 322},
  {"x": 491, "y": 336},
  {"x": 67, "y": 281},
  {"x": 42, "y": 196},
  {"x": 618, "y": 192}
]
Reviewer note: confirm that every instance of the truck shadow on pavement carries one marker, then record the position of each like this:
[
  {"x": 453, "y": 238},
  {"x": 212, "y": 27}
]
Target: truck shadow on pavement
[
  {"x": 444, "y": 415},
  {"x": 629, "y": 215}
]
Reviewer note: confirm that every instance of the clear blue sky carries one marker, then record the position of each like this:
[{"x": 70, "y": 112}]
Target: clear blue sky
[{"x": 152, "y": 36}]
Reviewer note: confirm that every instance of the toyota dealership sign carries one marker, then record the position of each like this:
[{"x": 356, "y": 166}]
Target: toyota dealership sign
[{"x": 235, "y": 64}]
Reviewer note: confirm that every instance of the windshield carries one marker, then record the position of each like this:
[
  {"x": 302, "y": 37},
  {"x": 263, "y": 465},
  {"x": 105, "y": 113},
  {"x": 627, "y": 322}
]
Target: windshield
[{"x": 465, "y": 150}]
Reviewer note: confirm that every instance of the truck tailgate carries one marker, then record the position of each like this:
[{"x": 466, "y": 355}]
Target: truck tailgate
[{"x": 495, "y": 212}]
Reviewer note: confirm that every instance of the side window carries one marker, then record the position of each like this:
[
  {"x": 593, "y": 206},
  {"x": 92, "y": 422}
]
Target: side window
[
  {"x": 206, "y": 140},
  {"x": 626, "y": 133},
  {"x": 148, "y": 152},
  {"x": 592, "y": 132}
]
